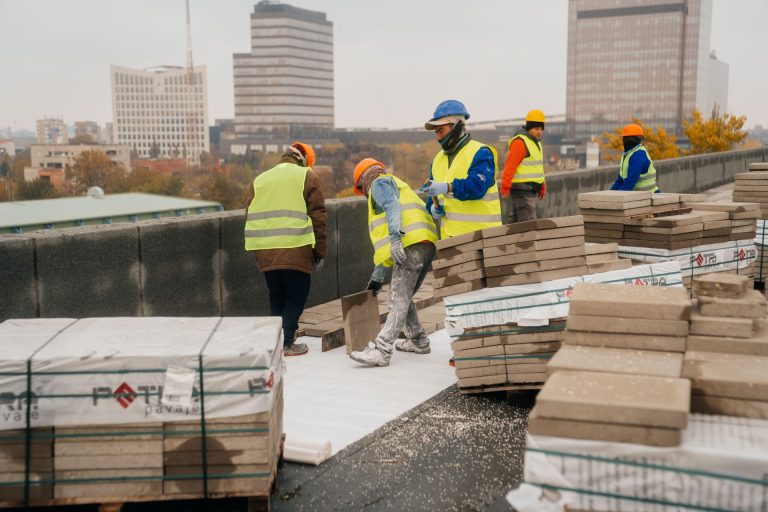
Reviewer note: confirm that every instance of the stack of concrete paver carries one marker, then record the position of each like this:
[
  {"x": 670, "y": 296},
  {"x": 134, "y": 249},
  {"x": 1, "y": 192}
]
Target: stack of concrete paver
[
  {"x": 237, "y": 449},
  {"x": 604, "y": 213},
  {"x": 12, "y": 464},
  {"x": 458, "y": 265},
  {"x": 727, "y": 354},
  {"x": 504, "y": 357},
  {"x": 739, "y": 225},
  {"x": 534, "y": 251},
  {"x": 604, "y": 258},
  {"x": 618, "y": 375},
  {"x": 752, "y": 187}
]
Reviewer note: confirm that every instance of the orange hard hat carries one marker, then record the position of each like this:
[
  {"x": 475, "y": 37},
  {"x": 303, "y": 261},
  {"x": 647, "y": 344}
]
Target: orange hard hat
[
  {"x": 632, "y": 130},
  {"x": 307, "y": 152},
  {"x": 362, "y": 166}
]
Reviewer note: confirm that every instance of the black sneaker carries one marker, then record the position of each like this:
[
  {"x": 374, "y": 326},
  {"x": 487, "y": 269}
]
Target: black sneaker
[{"x": 295, "y": 349}]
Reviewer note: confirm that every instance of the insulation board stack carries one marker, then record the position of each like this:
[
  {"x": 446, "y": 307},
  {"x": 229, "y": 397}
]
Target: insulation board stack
[
  {"x": 617, "y": 376},
  {"x": 727, "y": 353},
  {"x": 534, "y": 251},
  {"x": 604, "y": 212},
  {"x": 505, "y": 357},
  {"x": 458, "y": 265}
]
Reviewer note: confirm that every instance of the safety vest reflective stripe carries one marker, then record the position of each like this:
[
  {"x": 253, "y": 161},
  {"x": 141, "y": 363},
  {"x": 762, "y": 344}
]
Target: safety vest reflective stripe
[
  {"x": 471, "y": 217},
  {"x": 411, "y": 227},
  {"x": 416, "y": 224},
  {"x": 647, "y": 180},
  {"x": 378, "y": 222},
  {"x": 474, "y": 214},
  {"x": 531, "y": 169},
  {"x": 279, "y": 232},
  {"x": 293, "y": 214},
  {"x": 277, "y": 217}
]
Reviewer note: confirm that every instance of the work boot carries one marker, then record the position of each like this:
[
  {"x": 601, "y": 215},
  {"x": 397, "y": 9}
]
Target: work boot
[
  {"x": 371, "y": 356},
  {"x": 295, "y": 349},
  {"x": 412, "y": 346}
]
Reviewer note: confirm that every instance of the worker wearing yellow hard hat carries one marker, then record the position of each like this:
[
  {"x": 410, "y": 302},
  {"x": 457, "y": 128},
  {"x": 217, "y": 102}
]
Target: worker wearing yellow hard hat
[
  {"x": 403, "y": 237},
  {"x": 636, "y": 171},
  {"x": 286, "y": 229},
  {"x": 523, "y": 175}
]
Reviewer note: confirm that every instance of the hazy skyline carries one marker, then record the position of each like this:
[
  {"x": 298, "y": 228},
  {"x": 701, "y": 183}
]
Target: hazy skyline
[{"x": 394, "y": 61}]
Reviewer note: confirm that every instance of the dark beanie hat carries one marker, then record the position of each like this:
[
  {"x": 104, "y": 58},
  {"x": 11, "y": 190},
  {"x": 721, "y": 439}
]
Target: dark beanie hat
[{"x": 533, "y": 124}]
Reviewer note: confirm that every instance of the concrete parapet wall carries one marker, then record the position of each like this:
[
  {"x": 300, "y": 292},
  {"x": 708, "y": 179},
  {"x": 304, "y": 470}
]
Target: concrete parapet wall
[{"x": 196, "y": 266}]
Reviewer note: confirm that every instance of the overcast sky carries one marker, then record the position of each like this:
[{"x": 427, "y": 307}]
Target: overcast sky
[{"x": 394, "y": 59}]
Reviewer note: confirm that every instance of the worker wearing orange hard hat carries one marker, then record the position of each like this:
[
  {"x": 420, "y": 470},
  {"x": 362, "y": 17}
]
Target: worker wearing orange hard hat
[
  {"x": 403, "y": 235},
  {"x": 636, "y": 171},
  {"x": 523, "y": 175},
  {"x": 286, "y": 229}
]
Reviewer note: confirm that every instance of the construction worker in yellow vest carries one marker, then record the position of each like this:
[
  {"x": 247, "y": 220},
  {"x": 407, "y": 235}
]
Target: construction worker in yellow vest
[
  {"x": 462, "y": 179},
  {"x": 403, "y": 237},
  {"x": 636, "y": 171},
  {"x": 286, "y": 229},
  {"x": 523, "y": 175}
]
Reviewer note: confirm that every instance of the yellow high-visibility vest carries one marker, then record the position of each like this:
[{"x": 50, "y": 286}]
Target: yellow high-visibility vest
[
  {"x": 277, "y": 217},
  {"x": 531, "y": 169},
  {"x": 416, "y": 223},
  {"x": 466, "y": 216},
  {"x": 646, "y": 181}
]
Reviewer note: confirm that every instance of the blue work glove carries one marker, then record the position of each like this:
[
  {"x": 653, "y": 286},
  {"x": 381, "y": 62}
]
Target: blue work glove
[
  {"x": 397, "y": 251},
  {"x": 434, "y": 188},
  {"x": 437, "y": 211}
]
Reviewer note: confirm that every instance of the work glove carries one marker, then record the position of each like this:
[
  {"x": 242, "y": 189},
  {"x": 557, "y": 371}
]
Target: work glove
[
  {"x": 543, "y": 191},
  {"x": 434, "y": 188},
  {"x": 397, "y": 251},
  {"x": 374, "y": 286},
  {"x": 437, "y": 211},
  {"x": 319, "y": 262}
]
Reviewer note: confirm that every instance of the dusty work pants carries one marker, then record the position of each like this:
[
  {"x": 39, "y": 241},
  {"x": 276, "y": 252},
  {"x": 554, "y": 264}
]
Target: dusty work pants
[
  {"x": 406, "y": 280},
  {"x": 522, "y": 202},
  {"x": 288, "y": 292}
]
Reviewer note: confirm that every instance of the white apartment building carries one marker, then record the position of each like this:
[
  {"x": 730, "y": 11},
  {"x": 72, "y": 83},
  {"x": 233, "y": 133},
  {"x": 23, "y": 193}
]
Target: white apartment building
[
  {"x": 52, "y": 131},
  {"x": 158, "y": 114}
]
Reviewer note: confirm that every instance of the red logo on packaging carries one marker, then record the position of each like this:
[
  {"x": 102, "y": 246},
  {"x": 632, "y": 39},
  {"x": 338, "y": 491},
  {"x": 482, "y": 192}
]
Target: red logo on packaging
[
  {"x": 125, "y": 395},
  {"x": 699, "y": 259},
  {"x": 742, "y": 254}
]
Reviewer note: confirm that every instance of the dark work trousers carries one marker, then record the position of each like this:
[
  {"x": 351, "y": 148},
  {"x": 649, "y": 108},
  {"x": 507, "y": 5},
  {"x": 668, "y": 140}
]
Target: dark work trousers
[
  {"x": 522, "y": 202},
  {"x": 288, "y": 292}
]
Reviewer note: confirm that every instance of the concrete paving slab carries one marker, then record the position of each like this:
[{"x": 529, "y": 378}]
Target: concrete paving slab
[
  {"x": 617, "y": 360},
  {"x": 652, "y": 302}
]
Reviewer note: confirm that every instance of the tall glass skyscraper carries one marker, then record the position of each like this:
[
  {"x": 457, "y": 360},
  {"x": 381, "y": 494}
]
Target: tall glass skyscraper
[
  {"x": 643, "y": 58},
  {"x": 284, "y": 86}
]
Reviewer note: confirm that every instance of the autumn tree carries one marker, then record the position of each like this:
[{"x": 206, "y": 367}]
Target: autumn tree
[
  {"x": 89, "y": 169},
  {"x": 718, "y": 133},
  {"x": 659, "y": 143},
  {"x": 82, "y": 139}
]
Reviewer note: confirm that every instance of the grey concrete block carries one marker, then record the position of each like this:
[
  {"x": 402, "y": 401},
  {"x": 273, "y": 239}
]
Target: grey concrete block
[
  {"x": 243, "y": 287},
  {"x": 181, "y": 266},
  {"x": 89, "y": 271},
  {"x": 18, "y": 298},
  {"x": 355, "y": 252},
  {"x": 326, "y": 281}
]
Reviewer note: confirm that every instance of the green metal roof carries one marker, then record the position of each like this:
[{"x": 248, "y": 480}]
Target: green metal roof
[{"x": 22, "y": 216}]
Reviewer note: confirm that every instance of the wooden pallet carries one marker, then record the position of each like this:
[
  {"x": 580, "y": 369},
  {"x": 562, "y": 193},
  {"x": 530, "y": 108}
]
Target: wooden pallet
[{"x": 253, "y": 503}]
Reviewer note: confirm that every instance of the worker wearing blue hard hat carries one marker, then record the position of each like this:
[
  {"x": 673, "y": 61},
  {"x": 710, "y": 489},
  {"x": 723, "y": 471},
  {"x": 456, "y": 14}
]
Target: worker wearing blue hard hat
[{"x": 462, "y": 179}]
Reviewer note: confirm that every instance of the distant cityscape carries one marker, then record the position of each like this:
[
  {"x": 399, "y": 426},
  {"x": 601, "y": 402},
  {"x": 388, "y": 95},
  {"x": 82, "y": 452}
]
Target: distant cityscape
[{"x": 652, "y": 61}]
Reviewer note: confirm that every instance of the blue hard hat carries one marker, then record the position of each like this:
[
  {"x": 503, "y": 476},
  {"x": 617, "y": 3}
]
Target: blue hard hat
[{"x": 448, "y": 108}]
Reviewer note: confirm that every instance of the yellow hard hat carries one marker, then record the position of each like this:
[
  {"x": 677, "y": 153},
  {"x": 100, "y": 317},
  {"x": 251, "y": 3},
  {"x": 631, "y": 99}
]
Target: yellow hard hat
[{"x": 535, "y": 115}]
